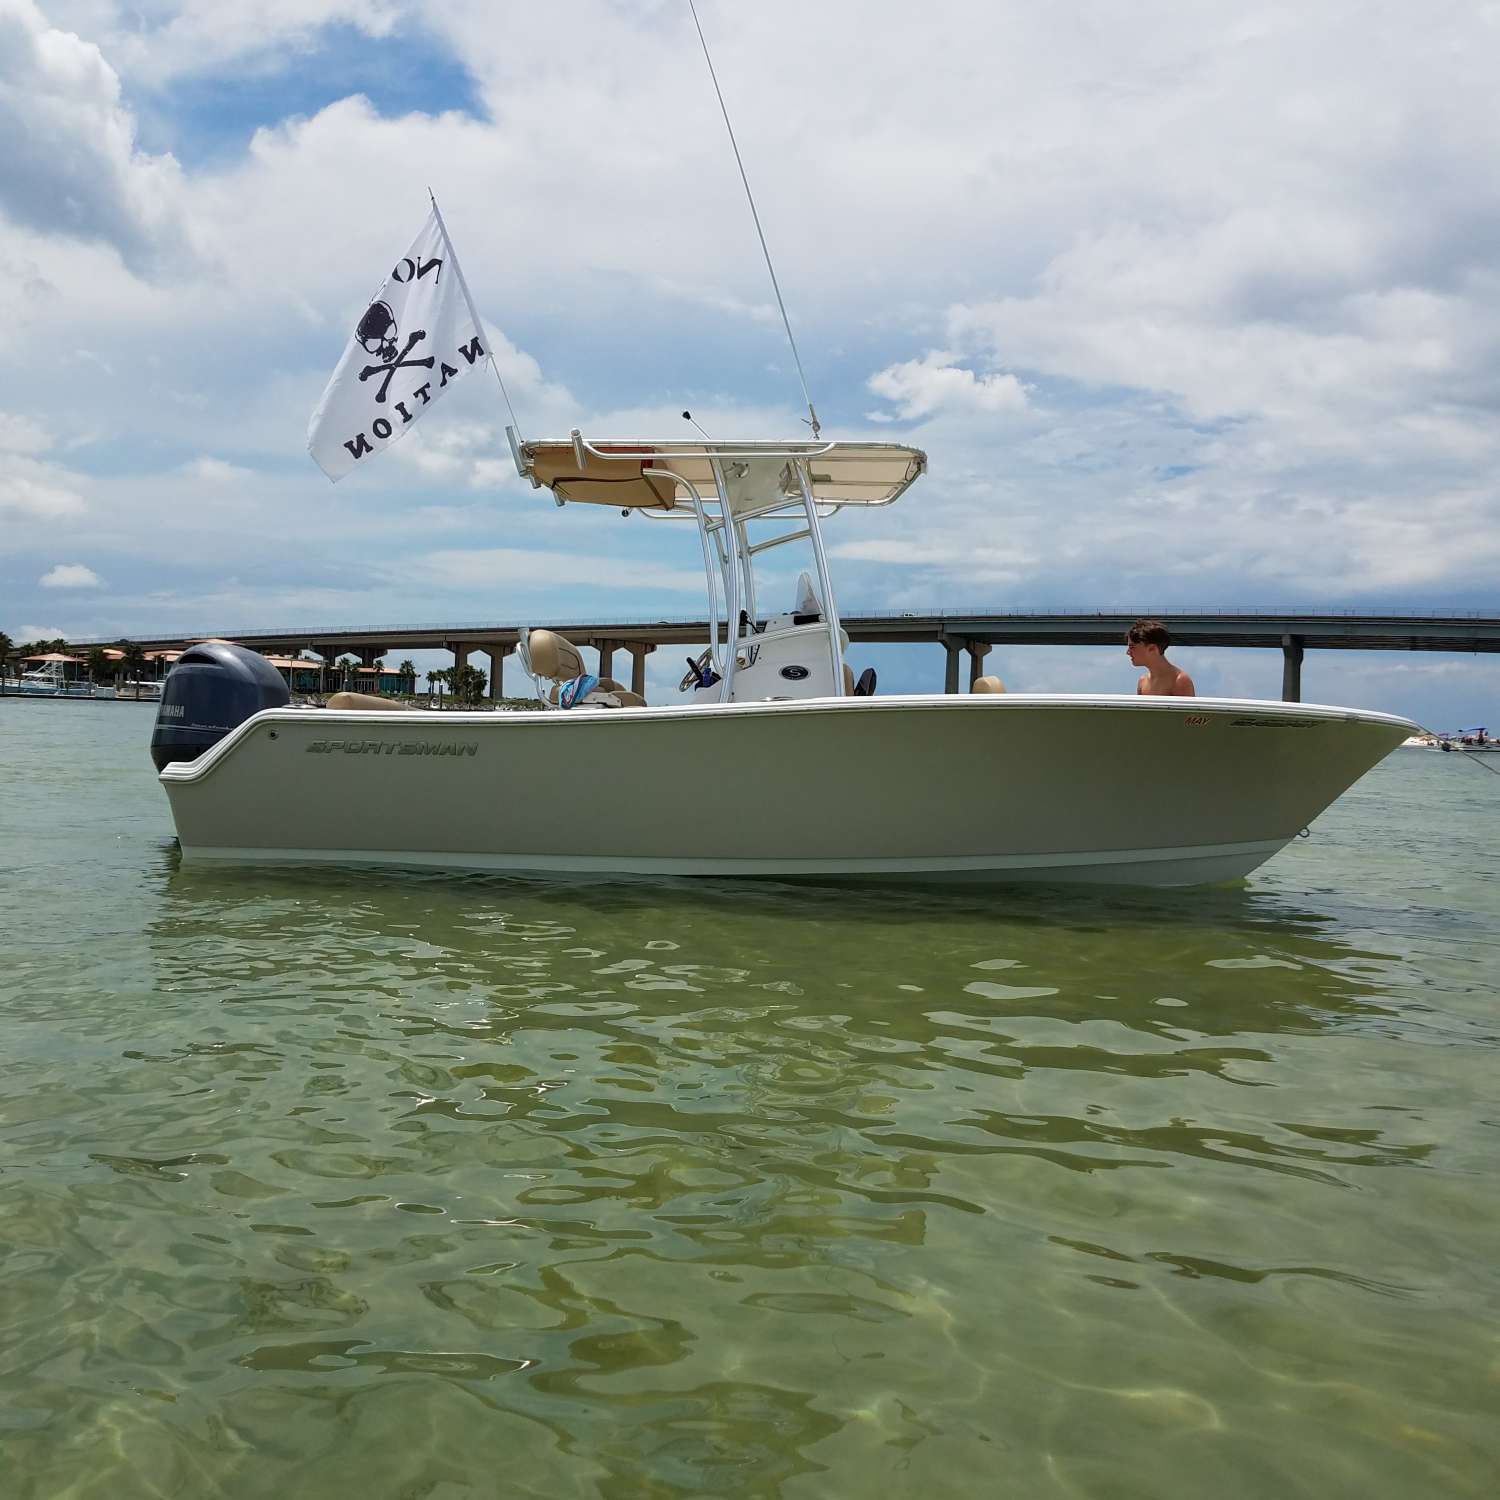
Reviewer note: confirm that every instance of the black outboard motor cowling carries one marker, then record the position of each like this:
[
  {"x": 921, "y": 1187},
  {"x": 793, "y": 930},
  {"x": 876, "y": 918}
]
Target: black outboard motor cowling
[{"x": 213, "y": 688}]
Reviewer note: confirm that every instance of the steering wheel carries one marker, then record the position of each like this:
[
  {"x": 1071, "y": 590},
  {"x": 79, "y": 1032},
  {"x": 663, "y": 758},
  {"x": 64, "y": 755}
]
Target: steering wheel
[
  {"x": 865, "y": 687},
  {"x": 693, "y": 678}
]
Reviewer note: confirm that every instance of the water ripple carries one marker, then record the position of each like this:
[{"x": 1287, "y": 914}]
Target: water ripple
[{"x": 428, "y": 1184}]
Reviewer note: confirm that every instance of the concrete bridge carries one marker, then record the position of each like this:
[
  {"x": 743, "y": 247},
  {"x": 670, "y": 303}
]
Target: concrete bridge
[{"x": 959, "y": 633}]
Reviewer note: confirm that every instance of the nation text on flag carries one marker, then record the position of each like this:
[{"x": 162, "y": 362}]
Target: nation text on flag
[{"x": 410, "y": 344}]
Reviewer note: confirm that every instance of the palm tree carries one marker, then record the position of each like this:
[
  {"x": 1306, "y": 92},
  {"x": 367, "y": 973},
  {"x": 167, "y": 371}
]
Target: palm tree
[
  {"x": 98, "y": 663},
  {"x": 408, "y": 673},
  {"x": 132, "y": 662},
  {"x": 468, "y": 683},
  {"x": 6, "y": 647}
]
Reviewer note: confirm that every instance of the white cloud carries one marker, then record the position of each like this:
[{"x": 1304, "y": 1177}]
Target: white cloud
[
  {"x": 31, "y": 491},
  {"x": 216, "y": 471},
  {"x": 706, "y": 296},
  {"x": 515, "y": 569},
  {"x": 70, "y": 576},
  {"x": 37, "y": 633},
  {"x": 935, "y": 382},
  {"x": 957, "y": 557},
  {"x": 460, "y": 452},
  {"x": 162, "y": 41},
  {"x": 22, "y": 434},
  {"x": 72, "y": 166}
]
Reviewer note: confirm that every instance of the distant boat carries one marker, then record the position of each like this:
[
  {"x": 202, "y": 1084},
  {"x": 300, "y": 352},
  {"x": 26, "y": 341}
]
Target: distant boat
[
  {"x": 1469, "y": 740},
  {"x": 48, "y": 681}
]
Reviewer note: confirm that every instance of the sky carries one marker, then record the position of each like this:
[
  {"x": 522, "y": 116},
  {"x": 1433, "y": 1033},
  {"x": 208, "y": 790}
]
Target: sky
[{"x": 1188, "y": 306}]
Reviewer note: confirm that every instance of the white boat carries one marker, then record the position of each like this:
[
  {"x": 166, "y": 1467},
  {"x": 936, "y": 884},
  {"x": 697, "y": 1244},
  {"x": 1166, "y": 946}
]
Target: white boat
[
  {"x": 50, "y": 681},
  {"x": 1474, "y": 741},
  {"x": 773, "y": 763}
]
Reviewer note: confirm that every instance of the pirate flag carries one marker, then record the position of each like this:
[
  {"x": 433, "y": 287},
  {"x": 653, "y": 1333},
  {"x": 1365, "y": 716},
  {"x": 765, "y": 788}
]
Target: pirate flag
[{"x": 417, "y": 336}]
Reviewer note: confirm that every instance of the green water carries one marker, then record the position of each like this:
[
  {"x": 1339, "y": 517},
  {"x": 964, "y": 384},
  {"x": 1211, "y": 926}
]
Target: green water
[{"x": 435, "y": 1187}]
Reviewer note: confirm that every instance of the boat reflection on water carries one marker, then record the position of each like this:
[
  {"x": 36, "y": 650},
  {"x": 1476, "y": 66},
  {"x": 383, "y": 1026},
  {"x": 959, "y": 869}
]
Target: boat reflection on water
[
  {"x": 625, "y": 1161},
  {"x": 475, "y": 955}
]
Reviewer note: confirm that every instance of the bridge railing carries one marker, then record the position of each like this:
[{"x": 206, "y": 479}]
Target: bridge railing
[{"x": 979, "y": 611}]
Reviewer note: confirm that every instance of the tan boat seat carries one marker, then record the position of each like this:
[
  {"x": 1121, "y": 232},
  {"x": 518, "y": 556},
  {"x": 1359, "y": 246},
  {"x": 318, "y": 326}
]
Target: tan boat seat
[
  {"x": 988, "y": 685},
  {"x": 365, "y": 702},
  {"x": 545, "y": 654}
]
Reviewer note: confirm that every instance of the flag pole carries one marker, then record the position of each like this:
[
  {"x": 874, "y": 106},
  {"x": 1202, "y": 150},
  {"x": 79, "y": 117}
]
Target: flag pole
[{"x": 473, "y": 311}]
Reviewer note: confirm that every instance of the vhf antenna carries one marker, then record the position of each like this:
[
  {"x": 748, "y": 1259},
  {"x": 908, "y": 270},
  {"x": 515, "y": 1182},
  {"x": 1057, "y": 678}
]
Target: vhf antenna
[
  {"x": 785, "y": 321},
  {"x": 687, "y": 416}
]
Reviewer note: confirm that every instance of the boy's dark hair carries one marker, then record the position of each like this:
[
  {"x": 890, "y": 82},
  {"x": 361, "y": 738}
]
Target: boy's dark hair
[{"x": 1149, "y": 633}]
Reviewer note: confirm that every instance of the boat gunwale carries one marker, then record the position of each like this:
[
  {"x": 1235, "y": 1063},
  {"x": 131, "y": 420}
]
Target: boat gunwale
[{"x": 184, "y": 772}]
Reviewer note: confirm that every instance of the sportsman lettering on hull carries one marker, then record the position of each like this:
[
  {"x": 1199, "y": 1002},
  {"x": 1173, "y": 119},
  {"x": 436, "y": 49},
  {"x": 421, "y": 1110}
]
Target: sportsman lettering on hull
[{"x": 394, "y": 747}]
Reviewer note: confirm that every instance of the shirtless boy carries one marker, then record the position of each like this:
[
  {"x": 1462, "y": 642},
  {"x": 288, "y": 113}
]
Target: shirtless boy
[{"x": 1146, "y": 644}]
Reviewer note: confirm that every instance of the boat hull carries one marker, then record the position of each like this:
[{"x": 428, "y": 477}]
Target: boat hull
[{"x": 991, "y": 788}]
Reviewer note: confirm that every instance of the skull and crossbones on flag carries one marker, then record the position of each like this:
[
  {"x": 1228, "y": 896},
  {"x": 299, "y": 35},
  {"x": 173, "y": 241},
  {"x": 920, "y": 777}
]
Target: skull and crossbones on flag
[{"x": 416, "y": 337}]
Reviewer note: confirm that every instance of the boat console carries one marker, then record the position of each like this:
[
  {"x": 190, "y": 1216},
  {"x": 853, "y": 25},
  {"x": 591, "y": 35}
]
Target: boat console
[{"x": 746, "y": 499}]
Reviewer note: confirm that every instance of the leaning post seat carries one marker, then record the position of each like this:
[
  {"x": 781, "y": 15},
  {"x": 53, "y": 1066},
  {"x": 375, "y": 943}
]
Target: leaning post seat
[{"x": 543, "y": 653}]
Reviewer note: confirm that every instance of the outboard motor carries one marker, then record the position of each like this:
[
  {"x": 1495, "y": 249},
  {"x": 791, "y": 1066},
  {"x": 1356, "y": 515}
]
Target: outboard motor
[{"x": 213, "y": 688}]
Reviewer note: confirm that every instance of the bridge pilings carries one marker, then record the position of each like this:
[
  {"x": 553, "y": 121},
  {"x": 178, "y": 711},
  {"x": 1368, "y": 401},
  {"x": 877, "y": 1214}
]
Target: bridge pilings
[
  {"x": 1292, "y": 650},
  {"x": 497, "y": 655},
  {"x": 955, "y": 646},
  {"x": 952, "y": 649},
  {"x": 639, "y": 651}
]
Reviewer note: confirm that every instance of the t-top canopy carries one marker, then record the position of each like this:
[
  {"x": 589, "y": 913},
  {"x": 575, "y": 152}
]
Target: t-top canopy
[{"x": 640, "y": 475}]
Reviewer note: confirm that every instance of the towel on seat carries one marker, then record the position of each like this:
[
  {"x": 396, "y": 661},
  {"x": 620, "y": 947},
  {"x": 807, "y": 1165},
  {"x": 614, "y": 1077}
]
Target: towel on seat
[
  {"x": 576, "y": 691},
  {"x": 605, "y": 693}
]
